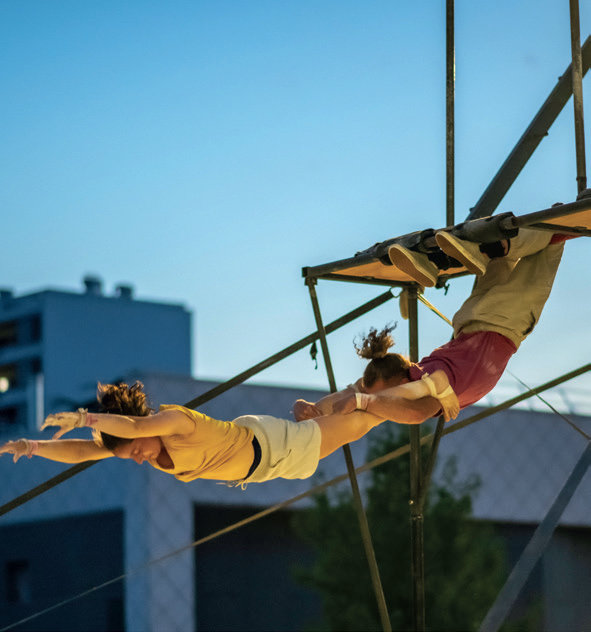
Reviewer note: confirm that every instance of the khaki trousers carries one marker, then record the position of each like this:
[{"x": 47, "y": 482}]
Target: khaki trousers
[{"x": 510, "y": 296}]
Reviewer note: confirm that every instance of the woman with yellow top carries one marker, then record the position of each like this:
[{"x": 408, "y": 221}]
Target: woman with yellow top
[{"x": 190, "y": 445}]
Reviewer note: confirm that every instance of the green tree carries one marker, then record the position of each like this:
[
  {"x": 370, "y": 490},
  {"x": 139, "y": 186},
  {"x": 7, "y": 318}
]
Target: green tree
[{"x": 464, "y": 561}]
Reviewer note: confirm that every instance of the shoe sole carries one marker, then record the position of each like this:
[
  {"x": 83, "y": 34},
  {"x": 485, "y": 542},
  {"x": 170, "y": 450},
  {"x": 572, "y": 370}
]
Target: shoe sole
[
  {"x": 415, "y": 271},
  {"x": 457, "y": 251}
]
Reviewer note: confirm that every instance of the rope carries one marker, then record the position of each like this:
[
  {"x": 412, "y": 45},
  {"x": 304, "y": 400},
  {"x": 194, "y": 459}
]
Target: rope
[
  {"x": 390, "y": 456},
  {"x": 556, "y": 412}
]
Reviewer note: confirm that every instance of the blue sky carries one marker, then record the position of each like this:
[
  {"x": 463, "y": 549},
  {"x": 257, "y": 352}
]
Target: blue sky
[{"x": 206, "y": 151}]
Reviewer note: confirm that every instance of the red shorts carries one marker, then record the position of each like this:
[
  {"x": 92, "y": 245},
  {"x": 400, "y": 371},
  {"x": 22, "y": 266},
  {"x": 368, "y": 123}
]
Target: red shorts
[{"x": 473, "y": 363}]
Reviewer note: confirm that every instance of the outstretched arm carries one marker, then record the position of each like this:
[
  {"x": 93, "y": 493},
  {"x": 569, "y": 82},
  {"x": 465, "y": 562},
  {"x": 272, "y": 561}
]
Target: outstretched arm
[
  {"x": 64, "y": 451},
  {"x": 401, "y": 410},
  {"x": 409, "y": 403},
  {"x": 325, "y": 406},
  {"x": 165, "y": 423}
]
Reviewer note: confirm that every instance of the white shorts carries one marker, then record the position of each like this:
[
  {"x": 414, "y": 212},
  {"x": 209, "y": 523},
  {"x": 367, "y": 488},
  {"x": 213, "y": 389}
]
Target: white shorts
[{"x": 289, "y": 449}]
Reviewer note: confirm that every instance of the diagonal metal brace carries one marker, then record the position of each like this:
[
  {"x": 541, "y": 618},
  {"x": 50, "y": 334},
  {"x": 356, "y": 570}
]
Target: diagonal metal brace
[
  {"x": 535, "y": 548},
  {"x": 530, "y": 140}
]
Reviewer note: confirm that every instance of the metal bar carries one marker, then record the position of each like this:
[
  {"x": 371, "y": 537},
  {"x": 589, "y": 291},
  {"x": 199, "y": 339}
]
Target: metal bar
[
  {"x": 535, "y": 548},
  {"x": 558, "y": 210},
  {"x": 450, "y": 77},
  {"x": 416, "y": 514},
  {"x": 341, "y": 264},
  {"x": 361, "y": 279},
  {"x": 357, "y": 501},
  {"x": 431, "y": 463},
  {"x": 577, "y": 75},
  {"x": 563, "y": 230},
  {"x": 458, "y": 425},
  {"x": 531, "y": 138},
  {"x": 45, "y": 486}
]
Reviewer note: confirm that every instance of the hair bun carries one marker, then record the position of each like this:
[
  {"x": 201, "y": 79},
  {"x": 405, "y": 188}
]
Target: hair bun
[
  {"x": 122, "y": 399},
  {"x": 375, "y": 344}
]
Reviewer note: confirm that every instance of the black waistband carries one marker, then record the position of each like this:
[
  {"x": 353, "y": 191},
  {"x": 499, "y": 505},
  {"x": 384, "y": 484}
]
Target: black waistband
[{"x": 257, "y": 457}]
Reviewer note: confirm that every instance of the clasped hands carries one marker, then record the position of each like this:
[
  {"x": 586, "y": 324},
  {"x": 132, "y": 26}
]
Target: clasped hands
[{"x": 435, "y": 385}]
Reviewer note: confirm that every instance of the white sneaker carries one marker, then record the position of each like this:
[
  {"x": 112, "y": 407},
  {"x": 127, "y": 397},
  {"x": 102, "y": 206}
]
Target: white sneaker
[
  {"x": 467, "y": 252},
  {"x": 415, "y": 264}
]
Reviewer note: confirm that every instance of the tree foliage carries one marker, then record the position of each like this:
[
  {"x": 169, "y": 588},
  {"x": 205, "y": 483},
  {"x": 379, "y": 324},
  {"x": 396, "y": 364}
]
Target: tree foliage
[{"x": 464, "y": 560}]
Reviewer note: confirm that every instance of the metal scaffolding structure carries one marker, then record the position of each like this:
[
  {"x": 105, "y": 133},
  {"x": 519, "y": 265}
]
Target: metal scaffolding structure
[{"x": 371, "y": 267}]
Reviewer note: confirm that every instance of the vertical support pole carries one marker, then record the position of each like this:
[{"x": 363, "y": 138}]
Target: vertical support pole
[
  {"x": 577, "y": 73},
  {"x": 432, "y": 460},
  {"x": 450, "y": 74},
  {"x": 416, "y": 513},
  {"x": 357, "y": 501}
]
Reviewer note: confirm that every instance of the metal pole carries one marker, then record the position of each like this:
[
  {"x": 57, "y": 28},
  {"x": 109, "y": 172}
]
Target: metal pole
[
  {"x": 449, "y": 113},
  {"x": 416, "y": 514},
  {"x": 535, "y": 548},
  {"x": 577, "y": 73},
  {"x": 431, "y": 463},
  {"x": 363, "y": 524},
  {"x": 528, "y": 143}
]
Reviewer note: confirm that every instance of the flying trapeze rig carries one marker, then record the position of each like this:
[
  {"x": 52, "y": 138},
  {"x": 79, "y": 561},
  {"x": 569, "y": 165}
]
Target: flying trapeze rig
[{"x": 372, "y": 267}]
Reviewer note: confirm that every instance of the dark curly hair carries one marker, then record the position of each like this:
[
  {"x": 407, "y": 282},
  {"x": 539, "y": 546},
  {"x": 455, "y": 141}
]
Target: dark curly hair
[
  {"x": 121, "y": 399},
  {"x": 382, "y": 364}
]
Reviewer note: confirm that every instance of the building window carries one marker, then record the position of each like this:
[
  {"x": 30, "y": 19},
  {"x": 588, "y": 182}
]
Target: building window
[
  {"x": 18, "y": 581},
  {"x": 9, "y": 415},
  {"x": 35, "y": 328},
  {"x": 8, "y": 334},
  {"x": 8, "y": 377},
  {"x": 36, "y": 366}
]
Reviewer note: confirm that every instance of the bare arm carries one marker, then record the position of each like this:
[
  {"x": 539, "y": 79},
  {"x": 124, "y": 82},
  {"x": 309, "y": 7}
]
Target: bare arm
[
  {"x": 435, "y": 387},
  {"x": 64, "y": 451},
  {"x": 165, "y": 423},
  {"x": 403, "y": 411},
  {"x": 408, "y": 403},
  {"x": 325, "y": 406}
]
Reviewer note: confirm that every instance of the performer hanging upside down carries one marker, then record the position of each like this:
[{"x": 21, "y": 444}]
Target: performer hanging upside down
[
  {"x": 190, "y": 445},
  {"x": 515, "y": 277}
]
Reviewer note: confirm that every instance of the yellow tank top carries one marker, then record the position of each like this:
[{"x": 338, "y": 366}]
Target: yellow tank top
[{"x": 207, "y": 450}]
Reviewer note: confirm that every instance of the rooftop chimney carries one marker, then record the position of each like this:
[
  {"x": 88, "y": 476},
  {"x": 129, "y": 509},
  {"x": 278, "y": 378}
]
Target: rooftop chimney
[
  {"x": 124, "y": 291},
  {"x": 93, "y": 285}
]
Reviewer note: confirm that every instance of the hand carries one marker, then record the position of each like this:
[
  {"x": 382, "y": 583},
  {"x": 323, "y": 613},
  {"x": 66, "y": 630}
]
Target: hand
[
  {"x": 66, "y": 421},
  {"x": 345, "y": 405},
  {"x": 450, "y": 406},
  {"x": 305, "y": 410},
  {"x": 18, "y": 448}
]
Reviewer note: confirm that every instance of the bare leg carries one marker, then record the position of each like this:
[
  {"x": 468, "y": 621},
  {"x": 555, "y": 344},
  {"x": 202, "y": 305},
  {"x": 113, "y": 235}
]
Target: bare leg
[{"x": 336, "y": 430}]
